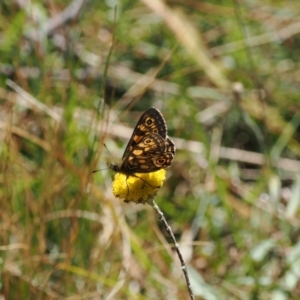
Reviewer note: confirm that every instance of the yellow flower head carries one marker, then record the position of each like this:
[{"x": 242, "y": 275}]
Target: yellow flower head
[{"x": 138, "y": 187}]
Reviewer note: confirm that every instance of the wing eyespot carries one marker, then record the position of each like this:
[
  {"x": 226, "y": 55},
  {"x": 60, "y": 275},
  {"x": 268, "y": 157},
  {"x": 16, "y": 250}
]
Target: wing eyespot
[
  {"x": 149, "y": 122},
  {"x": 161, "y": 161}
]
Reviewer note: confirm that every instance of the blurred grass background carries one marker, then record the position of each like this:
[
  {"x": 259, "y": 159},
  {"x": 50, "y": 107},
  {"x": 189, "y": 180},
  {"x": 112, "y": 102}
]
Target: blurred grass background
[{"x": 225, "y": 76}]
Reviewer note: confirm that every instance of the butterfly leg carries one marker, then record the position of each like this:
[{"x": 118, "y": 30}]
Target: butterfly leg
[
  {"x": 127, "y": 187},
  {"x": 127, "y": 176},
  {"x": 154, "y": 187}
]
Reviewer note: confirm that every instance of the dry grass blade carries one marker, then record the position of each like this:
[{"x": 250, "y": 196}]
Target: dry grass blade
[{"x": 190, "y": 39}]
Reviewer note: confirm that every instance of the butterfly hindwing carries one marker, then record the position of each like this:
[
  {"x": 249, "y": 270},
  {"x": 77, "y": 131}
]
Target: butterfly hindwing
[
  {"x": 170, "y": 147},
  {"x": 139, "y": 160},
  {"x": 149, "y": 148}
]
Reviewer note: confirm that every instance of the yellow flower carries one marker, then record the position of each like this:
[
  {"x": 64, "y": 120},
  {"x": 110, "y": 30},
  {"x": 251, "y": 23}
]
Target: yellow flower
[{"x": 138, "y": 187}]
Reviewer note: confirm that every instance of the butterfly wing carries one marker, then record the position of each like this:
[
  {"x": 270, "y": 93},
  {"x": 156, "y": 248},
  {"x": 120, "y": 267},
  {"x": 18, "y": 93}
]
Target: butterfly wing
[
  {"x": 170, "y": 147},
  {"x": 150, "y": 122},
  {"x": 149, "y": 155}
]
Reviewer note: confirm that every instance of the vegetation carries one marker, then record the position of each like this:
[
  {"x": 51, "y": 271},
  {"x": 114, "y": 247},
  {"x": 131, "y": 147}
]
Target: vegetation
[{"x": 77, "y": 74}]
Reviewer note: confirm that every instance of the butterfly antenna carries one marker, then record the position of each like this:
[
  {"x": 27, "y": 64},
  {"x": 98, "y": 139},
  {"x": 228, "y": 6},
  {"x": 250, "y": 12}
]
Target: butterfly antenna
[
  {"x": 100, "y": 170},
  {"x": 109, "y": 152},
  {"x": 107, "y": 167}
]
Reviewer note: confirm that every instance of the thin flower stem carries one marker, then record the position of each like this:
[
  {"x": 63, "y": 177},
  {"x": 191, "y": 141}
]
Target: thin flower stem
[{"x": 171, "y": 234}]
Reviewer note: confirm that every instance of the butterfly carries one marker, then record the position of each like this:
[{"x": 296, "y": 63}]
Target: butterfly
[{"x": 149, "y": 148}]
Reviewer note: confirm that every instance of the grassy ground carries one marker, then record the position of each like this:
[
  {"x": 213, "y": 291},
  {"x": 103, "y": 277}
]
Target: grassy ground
[{"x": 77, "y": 74}]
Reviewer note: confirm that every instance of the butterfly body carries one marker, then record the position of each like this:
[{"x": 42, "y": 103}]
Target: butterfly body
[{"x": 149, "y": 148}]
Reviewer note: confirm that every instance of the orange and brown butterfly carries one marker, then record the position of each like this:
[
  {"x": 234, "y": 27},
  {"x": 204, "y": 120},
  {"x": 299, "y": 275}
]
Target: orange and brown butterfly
[{"x": 148, "y": 153}]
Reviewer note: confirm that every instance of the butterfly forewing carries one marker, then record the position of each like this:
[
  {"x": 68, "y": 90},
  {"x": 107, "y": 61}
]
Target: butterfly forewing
[{"x": 151, "y": 121}]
